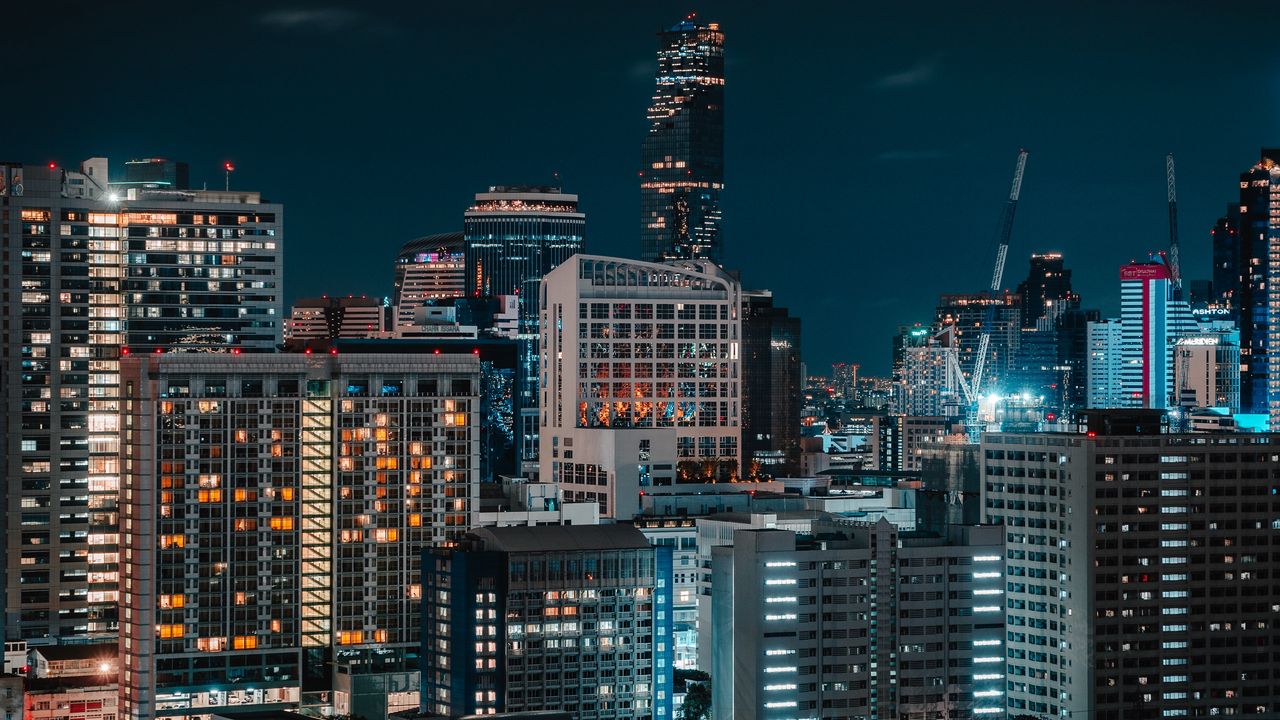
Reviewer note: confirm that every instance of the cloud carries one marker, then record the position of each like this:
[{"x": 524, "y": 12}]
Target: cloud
[
  {"x": 922, "y": 73},
  {"x": 323, "y": 20},
  {"x": 899, "y": 155}
]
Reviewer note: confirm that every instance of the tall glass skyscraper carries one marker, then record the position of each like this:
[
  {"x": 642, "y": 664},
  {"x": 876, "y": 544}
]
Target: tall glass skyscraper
[
  {"x": 514, "y": 235},
  {"x": 683, "y": 154}
]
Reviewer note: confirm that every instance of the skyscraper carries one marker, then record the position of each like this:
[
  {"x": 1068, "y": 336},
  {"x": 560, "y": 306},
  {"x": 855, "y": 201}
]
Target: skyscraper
[
  {"x": 1104, "y": 365},
  {"x": 277, "y": 506},
  {"x": 63, "y": 325},
  {"x": 683, "y": 154},
  {"x": 203, "y": 270},
  {"x": 1140, "y": 569},
  {"x": 1254, "y": 266},
  {"x": 1047, "y": 290},
  {"x": 574, "y": 618},
  {"x": 514, "y": 236},
  {"x": 429, "y": 268},
  {"x": 1151, "y": 321},
  {"x": 770, "y": 384},
  {"x": 640, "y": 379}
]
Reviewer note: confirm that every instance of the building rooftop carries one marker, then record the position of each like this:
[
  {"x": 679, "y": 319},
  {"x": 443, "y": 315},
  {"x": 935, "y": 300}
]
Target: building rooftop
[
  {"x": 561, "y": 537},
  {"x": 450, "y": 241},
  {"x": 77, "y": 652}
]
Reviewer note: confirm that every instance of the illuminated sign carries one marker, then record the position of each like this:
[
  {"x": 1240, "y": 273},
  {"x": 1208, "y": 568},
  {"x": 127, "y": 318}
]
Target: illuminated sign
[
  {"x": 1214, "y": 311},
  {"x": 1149, "y": 271}
]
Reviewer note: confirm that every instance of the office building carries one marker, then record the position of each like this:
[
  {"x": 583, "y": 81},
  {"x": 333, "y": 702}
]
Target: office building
[
  {"x": 1206, "y": 371},
  {"x": 928, "y": 385},
  {"x": 640, "y": 379},
  {"x": 548, "y": 618},
  {"x": 858, "y": 621},
  {"x": 770, "y": 385},
  {"x": 1046, "y": 292},
  {"x": 330, "y": 318},
  {"x": 1139, "y": 576},
  {"x": 63, "y": 324},
  {"x": 428, "y": 269},
  {"x": 514, "y": 236},
  {"x": 1151, "y": 322},
  {"x": 275, "y": 511},
  {"x": 682, "y": 159},
  {"x": 1104, "y": 364}
]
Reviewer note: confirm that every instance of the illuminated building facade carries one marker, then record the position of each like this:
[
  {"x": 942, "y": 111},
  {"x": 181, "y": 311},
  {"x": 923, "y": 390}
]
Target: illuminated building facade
[
  {"x": 641, "y": 378},
  {"x": 202, "y": 270},
  {"x": 428, "y": 269},
  {"x": 1140, "y": 581},
  {"x": 63, "y": 325},
  {"x": 771, "y": 389},
  {"x": 572, "y": 618},
  {"x": 274, "y": 518},
  {"x": 514, "y": 236},
  {"x": 858, "y": 621},
  {"x": 336, "y": 317},
  {"x": 1151, "y": 321},
  {"x": 683, "y": 153}
]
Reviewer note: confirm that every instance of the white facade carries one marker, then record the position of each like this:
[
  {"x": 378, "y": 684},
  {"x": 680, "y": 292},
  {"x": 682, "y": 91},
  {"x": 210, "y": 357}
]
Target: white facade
[
  {"x": 1151, "y": 322},
  {"x": 640, "y": 377},
  {"x": 1103, "y": 382}
]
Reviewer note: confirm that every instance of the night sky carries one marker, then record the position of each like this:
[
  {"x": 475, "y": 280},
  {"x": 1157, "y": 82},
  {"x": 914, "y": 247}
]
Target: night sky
[{"x": 869, "y": 146}]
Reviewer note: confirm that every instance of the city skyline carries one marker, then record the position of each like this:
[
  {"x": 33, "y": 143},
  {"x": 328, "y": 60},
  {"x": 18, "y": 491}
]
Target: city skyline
[{"x": 875, "y": 109}]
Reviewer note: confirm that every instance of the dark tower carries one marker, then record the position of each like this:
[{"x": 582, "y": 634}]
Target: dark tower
[{"x": 683, "y": 155}]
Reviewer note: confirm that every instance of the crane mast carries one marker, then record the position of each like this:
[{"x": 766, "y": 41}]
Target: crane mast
[
  {"x": 1173, "y": 224},
  {"x": 974, "y": 388}
]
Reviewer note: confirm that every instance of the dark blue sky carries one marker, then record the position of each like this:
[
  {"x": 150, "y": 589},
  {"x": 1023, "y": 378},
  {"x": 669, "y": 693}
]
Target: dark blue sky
[{"x": 869, "y": 145}]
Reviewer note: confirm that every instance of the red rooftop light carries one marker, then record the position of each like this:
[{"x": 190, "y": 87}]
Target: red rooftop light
[
  {"x": 53, "y": 165},
  {"x": 124, "y": 351},
  {"x": 307, "y": 351},
  {"x": 235, "y": 351},
  {"x": 333, "y": 351}
]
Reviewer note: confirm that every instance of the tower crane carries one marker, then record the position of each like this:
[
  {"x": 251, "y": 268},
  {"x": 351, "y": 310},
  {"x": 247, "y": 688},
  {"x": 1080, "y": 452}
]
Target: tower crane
[
  {"x": 971, "y": 388},
  {"x": 1173, "y": 224}
]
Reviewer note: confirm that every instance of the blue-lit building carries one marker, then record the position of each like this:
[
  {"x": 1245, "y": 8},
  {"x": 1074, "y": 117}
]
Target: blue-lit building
[
  {"x": 513, "y": 236},
  {"x": 572, "y": 618},
  {"x": 683, "y": 153}
]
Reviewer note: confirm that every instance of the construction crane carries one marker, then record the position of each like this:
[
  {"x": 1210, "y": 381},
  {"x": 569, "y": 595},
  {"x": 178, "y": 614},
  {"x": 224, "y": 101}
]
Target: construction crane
[
  {"x": 1173, "y": 224},
  {"x": 971, "y": 388}
]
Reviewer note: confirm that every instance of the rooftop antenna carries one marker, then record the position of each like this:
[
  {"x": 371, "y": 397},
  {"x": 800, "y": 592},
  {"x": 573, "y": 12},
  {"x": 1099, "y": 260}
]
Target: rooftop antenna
[{"x": 228, "y": 168}]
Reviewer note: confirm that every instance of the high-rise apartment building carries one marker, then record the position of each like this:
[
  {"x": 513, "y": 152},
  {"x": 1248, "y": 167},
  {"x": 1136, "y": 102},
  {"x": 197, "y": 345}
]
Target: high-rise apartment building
[
  {"x": 330, "y": 318},
  {"x": 1140, "y": 575},
  {"x": 770, "y": 385},
  {"x": 273, "y": 518},
  {"x": 96, "y": 271},
  {"x": 514, "y": 236},
  {"x": 858, "y": 621},
  {"x": 573, "y": 618},
  {"x": 428, "y": 269},
  {"x": 63, "y": 314},
  {"x": 682, "y": 172},
  {"x": 1151, "y": 321},
  {"x": 202, "y": 270},
  {"x": 1046, "y": 292},
  {"x": 641, "y": 377}
]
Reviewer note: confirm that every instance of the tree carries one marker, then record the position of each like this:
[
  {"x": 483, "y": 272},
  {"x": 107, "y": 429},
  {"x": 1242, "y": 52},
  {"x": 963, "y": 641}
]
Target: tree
[{"x": 697, "y": 702}]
